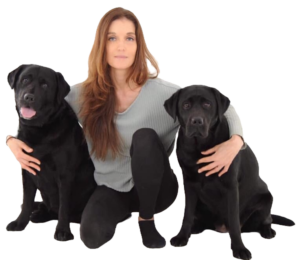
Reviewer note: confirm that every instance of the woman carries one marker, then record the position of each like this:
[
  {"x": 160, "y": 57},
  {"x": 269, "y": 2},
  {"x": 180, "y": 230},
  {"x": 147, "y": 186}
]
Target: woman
[{"x": 129, "y": 134}]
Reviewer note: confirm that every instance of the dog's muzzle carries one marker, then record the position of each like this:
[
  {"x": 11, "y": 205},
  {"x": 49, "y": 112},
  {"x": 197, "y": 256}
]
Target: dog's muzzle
[
  {"x": 196, "y": 127},
  {"x": 27, "y": 112}
]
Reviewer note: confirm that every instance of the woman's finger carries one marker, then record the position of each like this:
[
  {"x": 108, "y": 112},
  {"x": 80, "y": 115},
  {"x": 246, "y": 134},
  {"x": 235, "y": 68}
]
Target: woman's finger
[
  {"x": 205, "y": 159},
  {"x": 33, "y": 165},
  {"x": 30, "y": 159},
  {"x": 26, "y": 147},
  {"x": 30, "y": 164},
  {"x": 28, "y": 169},
  {"x": 223, "y": 172},
  {"x": 212, "y": 171},
  {"x": 207, "y": 167},
  {"x": 211, "y": 150},
  {"x": 215, "y": 170}
]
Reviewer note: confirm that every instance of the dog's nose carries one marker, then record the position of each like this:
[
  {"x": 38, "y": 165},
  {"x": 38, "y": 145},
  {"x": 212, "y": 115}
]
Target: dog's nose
[
  {"x": 29, "y": 97},
  {"x": 197, "y": 121}
]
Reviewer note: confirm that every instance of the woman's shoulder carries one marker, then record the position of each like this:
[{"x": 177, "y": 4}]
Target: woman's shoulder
[
  {"x": 163, "y": 84},
  {"x": 74, "y": 92},
  {"x": 73, "y": 97},
  {"x": 76, "y": 87}
]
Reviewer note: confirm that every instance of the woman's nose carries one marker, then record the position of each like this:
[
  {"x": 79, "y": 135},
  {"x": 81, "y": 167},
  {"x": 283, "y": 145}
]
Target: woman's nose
[{"x": 121, "y": 46}]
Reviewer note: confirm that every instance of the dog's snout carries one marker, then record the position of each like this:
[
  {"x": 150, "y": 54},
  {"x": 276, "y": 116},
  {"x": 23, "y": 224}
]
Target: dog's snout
[
  {"x": 197, "y": 120},
  {"x": 29, "y": 97}
]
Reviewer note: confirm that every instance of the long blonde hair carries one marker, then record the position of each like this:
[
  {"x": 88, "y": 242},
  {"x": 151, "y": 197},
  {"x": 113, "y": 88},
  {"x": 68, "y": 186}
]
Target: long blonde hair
[{"x": 98, "y": 98}]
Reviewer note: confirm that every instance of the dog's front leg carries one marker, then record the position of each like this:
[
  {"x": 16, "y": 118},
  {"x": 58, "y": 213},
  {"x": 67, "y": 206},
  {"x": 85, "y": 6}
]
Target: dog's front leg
[
  {"x": 237, "y": 246},
  {"x": 190, "y": 205},
  {"x": 29, "y": 191},
  {"x": 63, "y": 231}
]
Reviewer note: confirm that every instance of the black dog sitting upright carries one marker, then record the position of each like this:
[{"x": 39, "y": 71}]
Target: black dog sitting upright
[
  {"x": 48, "y": 124},
  {"x": 239, "y": 201}
]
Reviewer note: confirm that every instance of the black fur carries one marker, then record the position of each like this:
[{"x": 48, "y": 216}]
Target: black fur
[
  {"x": 239, "y": 201},
  {"x": 66, "y": 178}
]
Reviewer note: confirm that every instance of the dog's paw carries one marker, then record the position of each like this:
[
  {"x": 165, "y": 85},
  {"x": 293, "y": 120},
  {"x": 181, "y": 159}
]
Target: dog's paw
[
  {"x": 16, "y": 226},
  {"x": 179, "y": 241},
  {"x": 63, "y": 235},
  {"x": 267, "y": 232},
  {"x": 242, "y": 253}
]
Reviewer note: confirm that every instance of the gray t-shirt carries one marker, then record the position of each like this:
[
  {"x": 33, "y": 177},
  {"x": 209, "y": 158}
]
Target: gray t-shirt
[{"x": 146, "y": 111}]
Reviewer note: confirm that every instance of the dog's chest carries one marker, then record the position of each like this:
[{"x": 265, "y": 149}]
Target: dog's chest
[
  {"x": 47, "y": 177},
  {"x": 46, "y": 183},
  {"x": 212, "y": 195},
  {"x": 211, "y": 187}
]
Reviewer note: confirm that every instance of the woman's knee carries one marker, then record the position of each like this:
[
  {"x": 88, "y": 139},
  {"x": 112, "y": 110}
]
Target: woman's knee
[
  {"x": 94, "y": 235},
  {"x": 96, "y": 229},
  {"x": 144, "y": 138},
  {"x": 145, "y": 132}
]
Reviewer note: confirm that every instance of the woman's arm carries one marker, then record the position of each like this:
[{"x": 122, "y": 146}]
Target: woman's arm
[
  {"x": 224, "y": 153},
  {"x": 234, "y": 124}
]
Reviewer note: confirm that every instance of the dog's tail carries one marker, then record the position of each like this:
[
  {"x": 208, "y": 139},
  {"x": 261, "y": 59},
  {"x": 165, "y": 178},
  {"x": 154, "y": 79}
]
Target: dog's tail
[{"x": 282, "y": 221}]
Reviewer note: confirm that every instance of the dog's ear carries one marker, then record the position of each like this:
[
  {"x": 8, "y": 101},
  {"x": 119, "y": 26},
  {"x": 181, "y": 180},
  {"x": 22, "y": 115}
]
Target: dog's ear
[
  {"x": 12, "y": 77},
  {"x": 223, "y": 102},
  {"x": 63, "y": 87},
  {"x": 171, "y": 104}
]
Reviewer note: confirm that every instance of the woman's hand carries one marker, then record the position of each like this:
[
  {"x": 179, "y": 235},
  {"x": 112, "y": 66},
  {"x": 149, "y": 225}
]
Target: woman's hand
[
  {"x": 26, "y": 161},
  {"x": 222, "y": 157}
]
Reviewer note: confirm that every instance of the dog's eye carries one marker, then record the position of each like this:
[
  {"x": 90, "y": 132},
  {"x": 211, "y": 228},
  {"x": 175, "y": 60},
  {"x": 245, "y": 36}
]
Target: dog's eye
[
  {"x": 186, "y": 105},
  {"x": 206, "y": 105},
  {"x": 24, "y": 81},
  {"x": 44, "y": 86}
]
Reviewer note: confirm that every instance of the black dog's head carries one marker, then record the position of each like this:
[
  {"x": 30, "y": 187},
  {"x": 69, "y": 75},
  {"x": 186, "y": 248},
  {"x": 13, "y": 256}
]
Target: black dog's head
[
  {"x": 38, "y": 92},
  {"x": 198, "y": 108}
]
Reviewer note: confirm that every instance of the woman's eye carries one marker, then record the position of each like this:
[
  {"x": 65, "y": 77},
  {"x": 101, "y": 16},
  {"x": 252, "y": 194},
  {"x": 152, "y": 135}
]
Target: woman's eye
[{"x": 132, "y": 39}]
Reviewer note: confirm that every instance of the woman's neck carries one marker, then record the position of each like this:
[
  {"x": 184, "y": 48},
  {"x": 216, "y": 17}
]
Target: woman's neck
[{"x": 119, "y": 80}]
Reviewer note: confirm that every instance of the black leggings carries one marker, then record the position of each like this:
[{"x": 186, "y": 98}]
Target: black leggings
[{"x": 155, "y": 190}]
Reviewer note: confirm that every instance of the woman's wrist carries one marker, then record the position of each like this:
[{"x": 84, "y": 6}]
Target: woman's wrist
[
  {"x": 9, "y": 137},
  {"x": 237, "y": 140}
]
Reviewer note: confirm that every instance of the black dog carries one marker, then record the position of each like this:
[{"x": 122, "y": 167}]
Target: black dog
[
  {"x": 48, "y": 124},
  {"x": 239, "y": 201}
]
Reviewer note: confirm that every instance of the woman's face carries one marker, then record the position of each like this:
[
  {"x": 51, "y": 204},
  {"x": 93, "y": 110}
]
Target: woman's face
[{"x": 121, "y": 41}]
